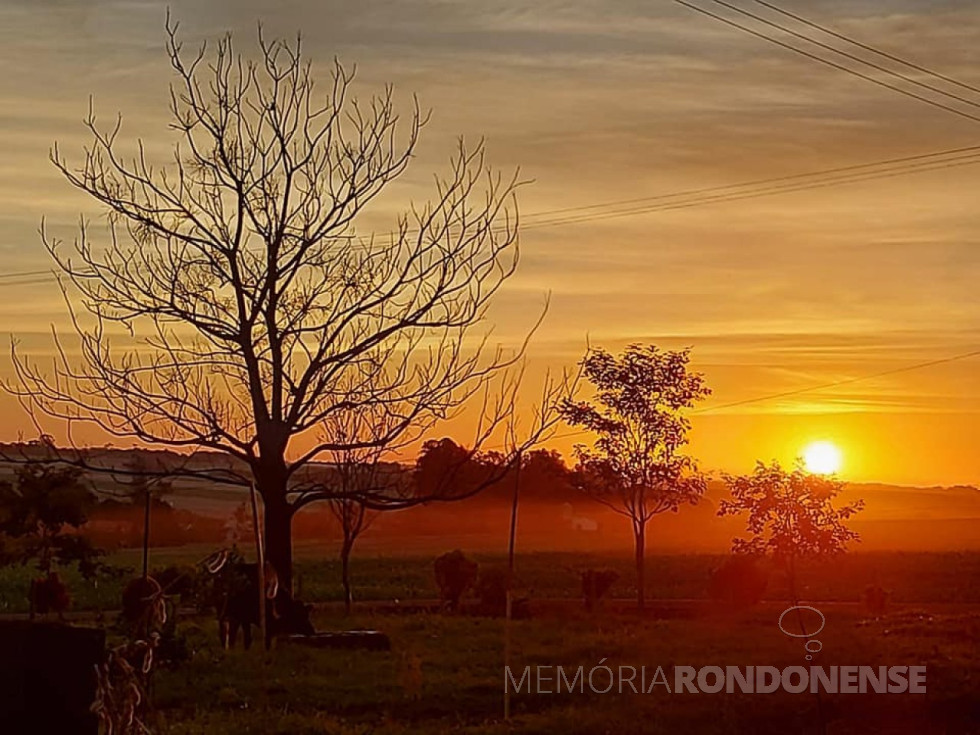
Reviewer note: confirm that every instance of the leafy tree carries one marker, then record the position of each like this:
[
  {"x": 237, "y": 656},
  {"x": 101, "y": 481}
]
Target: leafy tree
[
  {"x": 791, "y": 515},
  {"x": 40, "y": 520},
  {"x": 260, "y": 307},
  {"x": 545, "y": 476},
  {"x": 445, "y": 469},
  {"x": 636, "y": 466}
]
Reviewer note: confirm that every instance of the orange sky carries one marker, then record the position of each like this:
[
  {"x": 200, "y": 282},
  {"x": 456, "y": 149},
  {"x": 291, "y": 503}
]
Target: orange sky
[{"x": 599, "y": 102}]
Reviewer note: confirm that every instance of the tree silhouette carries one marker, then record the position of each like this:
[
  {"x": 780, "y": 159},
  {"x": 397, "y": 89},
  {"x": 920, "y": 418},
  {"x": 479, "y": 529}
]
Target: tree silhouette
[
  {"x": 358, "y": 470},
  {"x": 791, "y": 515},
  {"x": 260, "y": 311},
  {"x": 636, "y": 467},
  {"x": 40, "y": 518}
]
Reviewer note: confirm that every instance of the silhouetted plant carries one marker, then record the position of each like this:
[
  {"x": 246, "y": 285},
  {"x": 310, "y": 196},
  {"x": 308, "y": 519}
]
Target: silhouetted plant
[
  {"x": 790, "y": 515},
  {"x": 636, "y": 467},
  {"x": 40, "y": 519},
  {"x": 739, "y": 582},
  {"x": 258, "y": 303},
  {"x": 122, "y": 701},
  {"x": 595, "y": 585},
  {"x": 875, "y": 600},
  {"x": 50, "y": 595},
  {"x": 455, "y": 575}
]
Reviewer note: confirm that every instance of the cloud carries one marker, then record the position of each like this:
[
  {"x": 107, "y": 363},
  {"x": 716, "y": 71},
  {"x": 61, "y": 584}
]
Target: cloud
[{"x": 597, "y": 101}]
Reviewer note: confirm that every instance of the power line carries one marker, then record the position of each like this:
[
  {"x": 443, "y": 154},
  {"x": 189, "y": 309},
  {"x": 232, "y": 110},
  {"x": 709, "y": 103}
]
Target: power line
[
  {"x": 578, "y": 214},
  {"x": 922, "y": 163},
  {"x": 741, "y": 196},
  {"x": 838, "y": 383},
  {"x": 20, "y": 274},
  {"x": 845, "y": 54},
  {"x": 759, "y": 182},
  {"x": 868, "y": 47},
  {"x": 828, "y": 62}
]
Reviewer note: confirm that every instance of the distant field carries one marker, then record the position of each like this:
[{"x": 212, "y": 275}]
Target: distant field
[{"x": 911, "y": 577}]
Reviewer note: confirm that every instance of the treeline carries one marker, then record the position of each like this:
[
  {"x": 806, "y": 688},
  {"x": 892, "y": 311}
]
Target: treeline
[{"x": 114, "y": 512}]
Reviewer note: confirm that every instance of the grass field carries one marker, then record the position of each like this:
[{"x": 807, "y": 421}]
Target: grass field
[
  {"x": 445, "y": 674},
  {"x": 911, "y": 577}
]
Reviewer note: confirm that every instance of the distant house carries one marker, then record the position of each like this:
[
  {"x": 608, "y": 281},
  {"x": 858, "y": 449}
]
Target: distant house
[{"x": 577, "y": 522}]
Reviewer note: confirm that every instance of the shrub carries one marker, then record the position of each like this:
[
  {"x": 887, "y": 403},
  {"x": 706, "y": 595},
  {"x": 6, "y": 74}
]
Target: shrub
[
  {"x": 183, "y": 581},
  {"x": 739, "y": 582},
  {"x": 595, "y": 584},
  {"x": 455, "y": 575},
  {"x": 50, "y": 595},
  {"x": 876, "y": 600},
  {"x": 492, "y": 588}
]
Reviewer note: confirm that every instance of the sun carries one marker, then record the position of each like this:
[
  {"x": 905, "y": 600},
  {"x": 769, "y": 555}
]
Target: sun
[{"x": 822, "y": 458}]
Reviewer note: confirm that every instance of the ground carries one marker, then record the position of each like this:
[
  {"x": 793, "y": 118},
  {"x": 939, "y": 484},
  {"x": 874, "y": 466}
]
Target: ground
[{"x": 445, "y": 673}]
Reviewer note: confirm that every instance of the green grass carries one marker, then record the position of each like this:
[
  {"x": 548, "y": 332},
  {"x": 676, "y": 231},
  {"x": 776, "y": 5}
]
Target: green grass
[
  {"x": 911, "y": 577},
  {"x": 445, "y": 673},
  {"x": 297, "y": 691}
]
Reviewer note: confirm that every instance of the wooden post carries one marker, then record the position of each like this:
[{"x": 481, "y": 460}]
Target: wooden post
[
  {"x": 146, "y": 531},
  {"x": 260, "y": 558},
  {"x": 510, "y": 579}
]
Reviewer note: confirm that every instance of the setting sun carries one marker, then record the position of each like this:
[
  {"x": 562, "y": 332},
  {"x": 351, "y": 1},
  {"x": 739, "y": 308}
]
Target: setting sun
[{"x": 823, "y": 458}]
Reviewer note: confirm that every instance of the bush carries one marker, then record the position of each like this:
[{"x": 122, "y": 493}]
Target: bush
[
  {"x": 492, "y": 591},
  {"x": 739, "y": 582},
  {"x": 595, "y": 584},
  {"x": 876, "y": 600},
  {"x": 455, "y": 575},
  {"x": 50, "y": 595}
]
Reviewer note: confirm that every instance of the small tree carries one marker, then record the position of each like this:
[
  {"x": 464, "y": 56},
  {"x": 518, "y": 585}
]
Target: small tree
[
  {"x": 145, "y": 491},
  {"x": 791, "y": 515},
  {"x": 353, "y": 518},
  {"x": 636, "y": 467},
  {"x": 240, "y": 528},
  {"x": 40, "y": 517}
]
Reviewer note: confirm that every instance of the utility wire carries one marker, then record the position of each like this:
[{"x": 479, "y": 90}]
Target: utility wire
[
  {"x": 845, "y": 54},
  {"x": 868, "y": 47},
  {"x": 759, "y": 182},
  {"x": 741, "y": 196},
  {"x": 857, "y": 173},
  {"x": 20, "y": 274},
  {"x": 838, "y": 383},
  {"x": 828, "y": 62}
]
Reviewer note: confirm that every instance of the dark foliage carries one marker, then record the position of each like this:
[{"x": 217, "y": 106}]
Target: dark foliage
[
  {"x": 740, "y": 582},
  {"x": 455, "y": 575},
  {"x": 595, "y": 584}
]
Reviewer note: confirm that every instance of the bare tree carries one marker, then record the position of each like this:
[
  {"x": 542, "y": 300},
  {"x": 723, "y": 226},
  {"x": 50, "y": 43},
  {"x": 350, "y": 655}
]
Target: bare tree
[
  {"x": 259, "y": 311},
  {"x": 353, "y": 517},
  {"x": 359, "y": 469},
  {"x": 637, "y": 467}
]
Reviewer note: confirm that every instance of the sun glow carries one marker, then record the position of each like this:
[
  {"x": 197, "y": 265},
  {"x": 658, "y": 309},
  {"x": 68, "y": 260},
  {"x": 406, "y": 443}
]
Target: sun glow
[{"x": 822, "y": 458}]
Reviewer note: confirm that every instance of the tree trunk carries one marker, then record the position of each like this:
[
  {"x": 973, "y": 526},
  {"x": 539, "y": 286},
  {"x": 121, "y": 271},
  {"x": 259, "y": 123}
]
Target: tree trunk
[
  {"x": 345, "y": 550},
  {"x": 639, "y": 533},
  {"x": 279, "y": 540}
]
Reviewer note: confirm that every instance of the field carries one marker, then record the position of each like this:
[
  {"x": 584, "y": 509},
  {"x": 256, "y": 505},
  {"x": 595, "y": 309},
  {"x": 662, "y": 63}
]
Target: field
[
  {"x": 445, "y": 672},
  {"x": 911, "y": 577}
]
